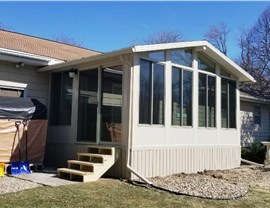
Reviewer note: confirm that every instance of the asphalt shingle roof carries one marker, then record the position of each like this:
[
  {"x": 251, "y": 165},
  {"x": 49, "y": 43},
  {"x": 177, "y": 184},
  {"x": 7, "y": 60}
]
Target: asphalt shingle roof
[{"x": 38, "y": 46}]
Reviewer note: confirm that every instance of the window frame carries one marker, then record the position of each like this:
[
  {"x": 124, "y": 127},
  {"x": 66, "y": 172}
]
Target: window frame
[
  {"x": 182, "y": 69},
  {"x": 181, "y": 65},
  {"x": 228, "y": 102},
  {"x": 207, "y": 74},
  {"x": 153, "y": 62},
  {"x": 51, "y": 123}
]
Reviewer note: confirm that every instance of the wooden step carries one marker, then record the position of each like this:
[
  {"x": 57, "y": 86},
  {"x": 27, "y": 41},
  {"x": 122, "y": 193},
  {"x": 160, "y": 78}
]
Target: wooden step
[
  {"x": 83, "y": 163},
  {"x": 100, "y": 150},
  {"x": 74, "y": 174},
  {"x": 72, "y": 171},
  {"x": 91, "y": 157},
  {"x": 90, "y": 166}
]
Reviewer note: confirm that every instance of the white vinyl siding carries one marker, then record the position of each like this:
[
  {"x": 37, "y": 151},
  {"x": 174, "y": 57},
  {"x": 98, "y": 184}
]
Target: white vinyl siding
[
  {"x": 34, "y": 84},
  {"x": 250, "y": 131}
]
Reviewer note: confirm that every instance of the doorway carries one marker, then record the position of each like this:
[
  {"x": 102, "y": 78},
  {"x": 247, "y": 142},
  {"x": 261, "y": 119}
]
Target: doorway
[{"x": 100, "y": 105}]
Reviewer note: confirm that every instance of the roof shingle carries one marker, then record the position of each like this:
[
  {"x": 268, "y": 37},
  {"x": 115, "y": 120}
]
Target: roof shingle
[{"x": 38, "y": 46}]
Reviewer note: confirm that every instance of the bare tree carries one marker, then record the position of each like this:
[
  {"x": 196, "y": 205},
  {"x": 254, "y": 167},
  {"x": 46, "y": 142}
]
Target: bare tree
[
  {"x": 217, "y": 35},
  {"x": 4, "y": 26},
  {"x": 67, "y": 39},
  {"x": 166, "y": 36},
  {"x": 255, "y": 54}
]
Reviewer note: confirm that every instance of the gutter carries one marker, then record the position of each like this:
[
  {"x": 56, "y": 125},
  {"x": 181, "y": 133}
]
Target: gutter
[
  {"x": 28, "y": 56},
  {"x": 130, "y": 133},
  {"x": 255, "y": 100}
]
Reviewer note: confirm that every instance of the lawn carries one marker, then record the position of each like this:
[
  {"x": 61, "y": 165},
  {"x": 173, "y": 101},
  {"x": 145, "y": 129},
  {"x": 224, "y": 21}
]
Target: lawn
[{"x": 115, "y": 193}]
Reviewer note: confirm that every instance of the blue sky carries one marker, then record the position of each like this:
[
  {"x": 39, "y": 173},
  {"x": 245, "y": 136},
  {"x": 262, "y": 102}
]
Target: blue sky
[{"x": 106, "y": 26}]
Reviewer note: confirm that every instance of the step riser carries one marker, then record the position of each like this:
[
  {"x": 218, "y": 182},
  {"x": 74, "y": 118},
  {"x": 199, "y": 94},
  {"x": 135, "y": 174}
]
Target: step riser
[
  {"x": 85, "y": 168},
  {"x": 99, "y": 151},
  {"x": 90, "y": 159}
]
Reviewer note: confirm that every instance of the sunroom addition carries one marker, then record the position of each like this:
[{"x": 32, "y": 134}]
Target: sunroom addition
[{"x": 169, "y": 107}]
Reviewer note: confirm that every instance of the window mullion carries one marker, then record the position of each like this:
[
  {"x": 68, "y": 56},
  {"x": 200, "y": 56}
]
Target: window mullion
[
  {"x": 228, "y": 104},
  {"x": 206, "y": 99},
  {"x": 61, "y": 96},
  {"x": 181, "y": 109},
  {"x": 152, "y": 92}
]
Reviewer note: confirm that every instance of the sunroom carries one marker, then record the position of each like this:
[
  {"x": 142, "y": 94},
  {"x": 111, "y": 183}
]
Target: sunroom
[{"x": 166, "y": 108}]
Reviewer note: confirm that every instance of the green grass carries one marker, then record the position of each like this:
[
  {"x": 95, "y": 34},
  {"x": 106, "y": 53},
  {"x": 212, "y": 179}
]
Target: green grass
[{"x": 114, "y": 193}]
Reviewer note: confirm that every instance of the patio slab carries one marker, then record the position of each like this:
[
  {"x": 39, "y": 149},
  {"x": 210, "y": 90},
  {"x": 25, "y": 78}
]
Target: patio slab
[{"x": 47, "y": 179}]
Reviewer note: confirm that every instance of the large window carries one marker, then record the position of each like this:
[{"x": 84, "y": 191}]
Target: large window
[
  {"x": 181, "y": 97},
  {"x": 87, "y": 106},
  {"x": 151, "y": 93},
  {"x": 61, "y": 99},
  {"x": 111, "y": 104},
  {"x": 205, "y": 64},
  {"x": 207, "y": 100},
  {"x": 182, "y": 57},
  {"x": 228, "y": 103}
]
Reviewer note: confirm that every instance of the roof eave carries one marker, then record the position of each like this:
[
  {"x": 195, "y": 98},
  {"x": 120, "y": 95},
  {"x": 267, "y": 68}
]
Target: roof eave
[
  {"x": 242, "y": 75},
  {"x": 87, "y": 59},
  {"x": 28, "y": 58}
]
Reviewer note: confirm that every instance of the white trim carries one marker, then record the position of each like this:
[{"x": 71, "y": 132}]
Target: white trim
[
  {"x": 13, "y": 85},
  {"x": 182, "y": 67},
  {"x": 168, "y": 46},
  {"x": 47, "y": 60},
  {"x": 195, "y": 94},
  {"x": 210, "y": 51}
]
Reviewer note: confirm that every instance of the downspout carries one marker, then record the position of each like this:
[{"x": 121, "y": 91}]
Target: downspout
[{"x": 130, "y": 129}]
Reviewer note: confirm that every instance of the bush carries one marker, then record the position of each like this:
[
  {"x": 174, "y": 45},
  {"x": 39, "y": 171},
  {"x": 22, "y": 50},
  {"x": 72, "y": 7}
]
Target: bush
[{"x": 255, "y": 153}]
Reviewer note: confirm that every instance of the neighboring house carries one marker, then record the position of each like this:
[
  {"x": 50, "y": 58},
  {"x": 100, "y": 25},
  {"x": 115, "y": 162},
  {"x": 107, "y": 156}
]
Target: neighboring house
[
  {"x": 158, "y": 109},
  {"x": 255, "y": 118}
]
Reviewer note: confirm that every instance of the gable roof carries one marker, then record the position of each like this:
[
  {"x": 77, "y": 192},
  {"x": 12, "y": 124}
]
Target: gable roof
[
  {"x": 42, "y": 47},
  {"x": 204, "y": 46}
]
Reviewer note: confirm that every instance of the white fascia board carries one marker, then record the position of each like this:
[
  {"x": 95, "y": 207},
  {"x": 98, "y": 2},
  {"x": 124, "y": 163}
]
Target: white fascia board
[
  {"x": 210, "y": 51},
  {"x": 12, "y": 55},
  {"x": 167, "y": 46},
  {"x": 87, "y": 59},
  {"x": 228, "y": 63}
]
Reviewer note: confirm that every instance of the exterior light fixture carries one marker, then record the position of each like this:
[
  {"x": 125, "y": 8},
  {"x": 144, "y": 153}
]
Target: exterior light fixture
[
  {"x": 200, "y": 48},
  {"x": 20, "y": 64},
  {"x": 72, "y": 73}
]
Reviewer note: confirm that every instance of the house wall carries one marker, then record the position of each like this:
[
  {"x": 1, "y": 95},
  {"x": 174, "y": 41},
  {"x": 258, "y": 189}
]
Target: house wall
[
  {"x": 250, "y": 132},
  {"x": 166, "y": 149},
  {"x": 35, "y": 84}
]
